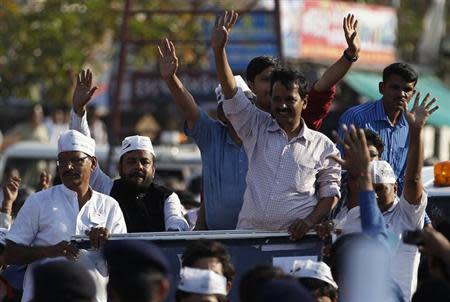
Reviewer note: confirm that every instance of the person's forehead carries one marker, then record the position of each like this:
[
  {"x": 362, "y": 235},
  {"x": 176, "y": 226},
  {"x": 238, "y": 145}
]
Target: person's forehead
[
  {"x": 279, "y": 87},
  {"x": 71, "y": 154},
  {"x": 138, "y": 154},
  {"x": 398, "y": 80},
  {"x": 266, "y": 72}
]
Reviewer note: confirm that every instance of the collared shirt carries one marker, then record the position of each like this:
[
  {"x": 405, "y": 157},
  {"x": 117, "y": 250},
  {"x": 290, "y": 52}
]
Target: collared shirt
[
  {"x": 53, "y": 215},
  {"x": 401, "y": 216},
  {"x": 283, "y": 174},
  {"x": 371, "y": 115},
  {"x": 173, "y": 215},
  {"x": 224, "y": 168}
]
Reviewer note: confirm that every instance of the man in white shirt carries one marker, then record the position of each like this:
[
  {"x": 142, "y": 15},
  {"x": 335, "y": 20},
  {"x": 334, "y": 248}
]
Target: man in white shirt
[
  {"x": 147, "y": 207},
  {"x": 45, "y": 224}
]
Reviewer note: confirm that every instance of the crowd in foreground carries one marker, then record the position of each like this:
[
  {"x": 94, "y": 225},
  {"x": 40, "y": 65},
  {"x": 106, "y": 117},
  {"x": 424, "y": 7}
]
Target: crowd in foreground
[{"x": 264, "y": 167}]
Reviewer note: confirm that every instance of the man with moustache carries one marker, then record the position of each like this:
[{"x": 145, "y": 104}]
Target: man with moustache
[{"x": 146, "y": 206}]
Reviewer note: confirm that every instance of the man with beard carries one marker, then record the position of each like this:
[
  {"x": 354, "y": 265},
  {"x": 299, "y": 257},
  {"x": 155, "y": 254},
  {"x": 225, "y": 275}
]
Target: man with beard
[{"x": 147, "y": 207}]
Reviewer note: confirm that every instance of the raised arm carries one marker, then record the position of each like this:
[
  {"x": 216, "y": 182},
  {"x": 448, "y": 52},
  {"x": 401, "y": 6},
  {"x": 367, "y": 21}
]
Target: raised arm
[
  {"x": 338, "y": 70},
  {"x": 219, "y": 38},
  {"x": 168, "y": 66},
  {"x": 417, "y": 117},
  {"x": 81, "y": 96}
]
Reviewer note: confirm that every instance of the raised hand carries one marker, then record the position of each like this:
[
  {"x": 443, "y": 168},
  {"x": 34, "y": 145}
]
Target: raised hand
[
  {"x": 419, "y": 114},
  {"x": 83, "y": 92},
  {"x": 356, "y": 151},
  {"x": 10, "y": 192},
  {"x": 350, "y": 25},
  {"x": 168, "y": 61},
  {"x": 222, "y": 29}
]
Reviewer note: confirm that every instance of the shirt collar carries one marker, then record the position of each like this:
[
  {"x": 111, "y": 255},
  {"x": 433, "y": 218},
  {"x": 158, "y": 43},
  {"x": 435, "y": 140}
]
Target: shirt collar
[
  {"x": 396, "y": 200},
  {"x": 380, "y": 114},
  {"x": 305, "y": 132},
  {"x": 68, "y": 193}
]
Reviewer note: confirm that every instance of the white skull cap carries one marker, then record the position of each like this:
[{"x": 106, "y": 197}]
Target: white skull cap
[
  {"x": 382, "y": 172},
  {"x": 313, "y": 269},
  {"x": 200, "y": 281},
  {"x": 136, "y": 142},
  {"x": 240, "y": 84},
  {"x": 72, "y": 140}
]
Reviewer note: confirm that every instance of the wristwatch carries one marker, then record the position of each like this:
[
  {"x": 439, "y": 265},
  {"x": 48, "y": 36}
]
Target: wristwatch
[{"x": 349, "y": 58}]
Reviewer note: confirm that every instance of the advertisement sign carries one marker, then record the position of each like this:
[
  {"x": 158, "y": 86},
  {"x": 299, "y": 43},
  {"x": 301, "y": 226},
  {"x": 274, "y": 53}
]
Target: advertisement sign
[{"x": 312, "y": 30}]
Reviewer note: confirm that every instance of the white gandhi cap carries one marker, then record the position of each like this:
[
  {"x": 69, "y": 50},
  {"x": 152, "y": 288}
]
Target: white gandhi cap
[
  {"x": 136, "y": 142},
  {"x": 200, "y": 281},
  {"x": 239, "y": 83},
  {"x": 313, "y": 269},
  {"x": 73, "y": 140},
  {"x": 382, "y": 172}
]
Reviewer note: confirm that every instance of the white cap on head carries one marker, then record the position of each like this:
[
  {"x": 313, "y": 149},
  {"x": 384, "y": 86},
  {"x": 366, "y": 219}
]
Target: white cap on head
[
  {"x": 313, "y": 269},
  {"x": 382, "y": 172},
  {"x": 136, "y": 142},
  {"x": 200, "y": 281},
  {"x": 240, "y": 83},
  {"x": 72, "y": 140}
]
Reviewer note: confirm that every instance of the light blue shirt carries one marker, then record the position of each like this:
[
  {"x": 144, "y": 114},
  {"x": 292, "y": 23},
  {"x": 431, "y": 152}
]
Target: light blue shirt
[
  {"x": 372, "y": 116},
  {"x": 224, "y": 168}
]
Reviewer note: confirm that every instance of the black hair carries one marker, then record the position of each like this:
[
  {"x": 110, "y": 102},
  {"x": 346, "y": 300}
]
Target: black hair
[
  {"x": 253, "y": 279},
  {"x": 182, "y": 294},
  {"x": 289, "y": 78},
  {"x": 401, "y": 69},
  {"x": 258, "y": 65},
  {"x": 131, "y": 284},
  {"x": 374, "y": 139},
  {"x": 205, "y": 249},
  {"x": 316, "y": 286}
]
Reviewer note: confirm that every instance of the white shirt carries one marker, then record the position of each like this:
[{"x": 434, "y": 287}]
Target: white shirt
[
  {"x": 53, "y": 215},
  {"x": 401, "y": 216},
  {"x": 285, "y": 178},
  {"x": 173, "y": 210}
]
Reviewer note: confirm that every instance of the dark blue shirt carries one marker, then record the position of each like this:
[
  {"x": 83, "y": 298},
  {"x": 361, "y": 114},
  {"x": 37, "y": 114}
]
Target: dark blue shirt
[
  {"x": 372, "y": 116},
  {"x": 224, "y": 168}
]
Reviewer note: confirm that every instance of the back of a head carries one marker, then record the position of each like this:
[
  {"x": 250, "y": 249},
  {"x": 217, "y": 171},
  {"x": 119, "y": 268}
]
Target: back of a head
[
  {"x": 136, "y": 270},
  {"x": 252, "y": 280},
  {"x": 66, "y": 281},
  {"x": 205, "y": 249},
  {"x": 258, "y": 65},
  {"x": 405, "y": 71},
  {"x": 289, "y": 78},
  {"x": 285, "y": 289}
]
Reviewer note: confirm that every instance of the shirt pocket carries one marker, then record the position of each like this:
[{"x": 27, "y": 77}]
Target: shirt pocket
[
  {"x": 97, "y": 219},
  {"x": 305, "y": 178}
]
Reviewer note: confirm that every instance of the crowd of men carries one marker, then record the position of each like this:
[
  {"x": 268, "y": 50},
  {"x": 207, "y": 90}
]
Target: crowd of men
[{"x": 264, "y": 167}]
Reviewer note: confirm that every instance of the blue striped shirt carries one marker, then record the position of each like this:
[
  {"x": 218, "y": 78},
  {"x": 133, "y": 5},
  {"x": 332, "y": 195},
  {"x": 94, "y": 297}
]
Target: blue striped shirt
[{"x": 371, "y": 115}]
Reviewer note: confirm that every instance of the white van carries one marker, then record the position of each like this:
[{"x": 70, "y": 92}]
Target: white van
[{"x": 30, "y": 158}]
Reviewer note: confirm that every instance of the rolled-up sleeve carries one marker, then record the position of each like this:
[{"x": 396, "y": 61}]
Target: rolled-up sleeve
[
  {"x": 79, "y": 123},
  {"x": 329, "y": 177},
  {"x": 414, "y": 215},
  {"x": 319, "y": 104},
  {"x": 174, "y": 219}
]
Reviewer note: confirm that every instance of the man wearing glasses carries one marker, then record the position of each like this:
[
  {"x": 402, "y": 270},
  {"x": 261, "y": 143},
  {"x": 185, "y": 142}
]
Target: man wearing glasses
[{"x": 46, "y": 222}]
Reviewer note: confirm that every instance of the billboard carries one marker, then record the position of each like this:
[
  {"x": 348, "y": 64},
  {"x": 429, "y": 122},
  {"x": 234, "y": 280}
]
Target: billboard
[{"x": 312, "y": 30}]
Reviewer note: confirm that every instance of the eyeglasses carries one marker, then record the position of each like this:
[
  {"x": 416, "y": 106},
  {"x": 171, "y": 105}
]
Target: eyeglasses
[{"x": 74, "y": 162}]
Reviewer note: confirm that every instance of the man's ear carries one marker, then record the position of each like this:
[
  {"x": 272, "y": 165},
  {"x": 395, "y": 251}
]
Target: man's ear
[
  {"x": 305, "y": 102},
  {"x": 381, "y": 87},
  {"x": 94, "y": 163}
]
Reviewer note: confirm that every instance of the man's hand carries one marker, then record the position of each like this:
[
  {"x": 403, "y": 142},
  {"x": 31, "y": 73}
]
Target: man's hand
[
  {"x": 325, "y": 229},
  {"x": 98, "y": 236},
  {"x": 83, "y": 92},
  {"x": 168, "y": 61},
  {"x": 435, "y": 244},
  {"x": 64, "y": 249},
  {"x": 419, "y": 114},
  {"x": 10, "y": 192},
  {"x": 356, "y": 152},
  {"x": 350, "y": 25},
  {"x": 299, "y": 228},
  {"x": 45, "y": 179},
  {"x": 222, "y": 29}
]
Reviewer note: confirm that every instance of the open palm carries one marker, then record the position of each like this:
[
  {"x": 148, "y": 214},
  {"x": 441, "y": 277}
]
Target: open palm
[
  {"x": 83, "y": 91},
  {"x": 222, "y": 29},
  {"x": 168, "y": 61},
  {"x": 418, "y": 115}
]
